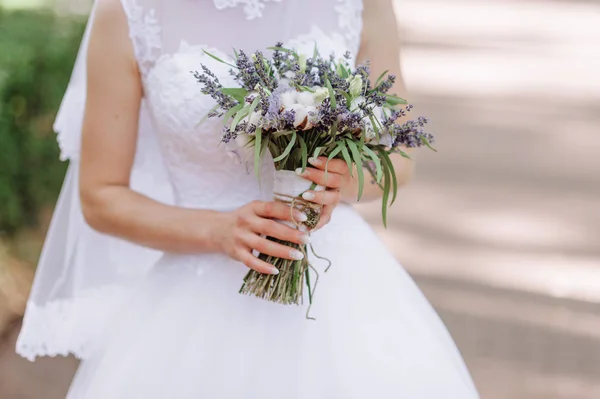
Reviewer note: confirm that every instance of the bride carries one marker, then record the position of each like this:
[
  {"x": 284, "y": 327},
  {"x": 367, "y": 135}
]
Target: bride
[{"x": 157, "y": 225}]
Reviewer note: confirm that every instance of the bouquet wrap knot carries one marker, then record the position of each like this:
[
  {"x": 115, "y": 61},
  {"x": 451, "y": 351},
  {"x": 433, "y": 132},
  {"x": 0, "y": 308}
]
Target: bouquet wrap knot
[{"x": 288, "y": 188}]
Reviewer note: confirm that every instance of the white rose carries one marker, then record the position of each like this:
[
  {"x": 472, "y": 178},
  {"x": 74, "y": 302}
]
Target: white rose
[
  {"x": 320, "y": 94},
  {"x": 305, "y": 98},
  {"x": 288, "y": 99},
  {"x": 356, "y": 84}
]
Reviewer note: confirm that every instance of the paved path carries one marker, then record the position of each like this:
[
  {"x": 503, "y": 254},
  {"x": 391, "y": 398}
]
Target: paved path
[{"x": 501, "y": 227}]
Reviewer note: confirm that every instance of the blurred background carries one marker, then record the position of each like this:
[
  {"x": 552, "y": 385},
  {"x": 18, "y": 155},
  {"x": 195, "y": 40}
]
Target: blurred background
[{"x": 500, "y": 228}]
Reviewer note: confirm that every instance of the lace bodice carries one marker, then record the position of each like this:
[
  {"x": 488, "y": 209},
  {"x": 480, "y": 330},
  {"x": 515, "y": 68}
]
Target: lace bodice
[{"x": 169, "y": 39}]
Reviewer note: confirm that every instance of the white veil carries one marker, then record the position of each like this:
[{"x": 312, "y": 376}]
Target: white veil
[{"x": 80, "y": 275}]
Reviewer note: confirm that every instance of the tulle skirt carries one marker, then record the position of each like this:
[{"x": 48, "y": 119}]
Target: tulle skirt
[{"x": 185, "y": 332}]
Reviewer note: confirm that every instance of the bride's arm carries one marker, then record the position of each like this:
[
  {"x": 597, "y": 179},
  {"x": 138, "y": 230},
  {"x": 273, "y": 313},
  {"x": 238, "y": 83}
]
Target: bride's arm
[
  {"x": 380, "y": 45},
  {"x": 108, "y": 148}
]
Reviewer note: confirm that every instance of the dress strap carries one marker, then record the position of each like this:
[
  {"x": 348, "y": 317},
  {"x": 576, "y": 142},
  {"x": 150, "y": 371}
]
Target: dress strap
[{"x": 145, "y": 32}]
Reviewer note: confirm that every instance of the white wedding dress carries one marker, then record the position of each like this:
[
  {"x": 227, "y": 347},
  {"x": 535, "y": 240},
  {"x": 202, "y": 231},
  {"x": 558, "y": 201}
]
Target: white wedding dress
[{"x": 179, "y": 329}]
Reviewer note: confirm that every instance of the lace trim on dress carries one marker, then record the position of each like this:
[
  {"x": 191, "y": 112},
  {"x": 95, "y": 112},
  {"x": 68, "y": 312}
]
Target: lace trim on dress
[
  {"x": 145, "y": 33},
  {"x": 69, "y": 326},
  {"x": 252, "y": 8}
]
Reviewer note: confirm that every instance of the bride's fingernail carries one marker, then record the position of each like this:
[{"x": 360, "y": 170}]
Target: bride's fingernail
[
  {"x": 301, "y": 217},
  {"x": 315, "y": 161},
  {"x": 294, "y": 254},
  {"x": 300, "y": 172},
  {"x": 305, "y": 239},
  {"x": 308, "y": 196},
  {"x": 274, "y": 271}
]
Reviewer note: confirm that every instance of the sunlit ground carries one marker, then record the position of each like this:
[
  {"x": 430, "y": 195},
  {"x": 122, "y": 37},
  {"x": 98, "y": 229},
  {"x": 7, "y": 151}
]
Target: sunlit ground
[{"x": 501, "y": 227}]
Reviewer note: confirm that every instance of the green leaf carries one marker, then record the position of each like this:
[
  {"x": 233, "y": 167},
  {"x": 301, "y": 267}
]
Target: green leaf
[
  {"x": 376, "y": 160},
  {"x": 386, "y": 193},
  {"x": 333, "y": 130},
  {"x": 238, "y": 117},
  {"x": 218, "y": 59},
  {"x": 257, "y": 151},
  {"x": 426, "y": 142},
  {"x": 254, "y": 105},
  {"x": 346, "y": 156},
  {"x": 347, "y": 95},
  {"x": 374, "y": 124},
  {"x": 238, "y": 93},
  {"x": 405, "y": 155},
  {"x": 304, "y": 152},
  {"x": 231, "y": 111},
  {"x": 317, "y": 151},
  {"x": 359, "y": 166},
  {"x": 288, "y": 148},
  {"x": 392, "y": 171},
  {"x": 380, "y": 78},
  {"x": 394, "y": 100},
  {"x": 331, "y": 93}
]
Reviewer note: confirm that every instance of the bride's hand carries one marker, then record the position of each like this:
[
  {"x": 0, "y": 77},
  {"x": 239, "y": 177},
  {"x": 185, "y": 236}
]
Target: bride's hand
[
  {"x": 241, "y": 231},
  {"x": 337, "y": 181}
]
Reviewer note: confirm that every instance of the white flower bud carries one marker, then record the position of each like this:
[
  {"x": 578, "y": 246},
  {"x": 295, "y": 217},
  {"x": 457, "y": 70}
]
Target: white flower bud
[
  {"x": 288, "y": 99},
  {"x": 305, "y": 98},
  {"x": 300, "y": 112}
]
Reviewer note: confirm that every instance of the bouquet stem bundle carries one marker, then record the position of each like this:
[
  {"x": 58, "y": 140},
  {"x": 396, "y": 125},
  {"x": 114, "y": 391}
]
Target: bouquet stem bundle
[{"x": 288, "y": 286}]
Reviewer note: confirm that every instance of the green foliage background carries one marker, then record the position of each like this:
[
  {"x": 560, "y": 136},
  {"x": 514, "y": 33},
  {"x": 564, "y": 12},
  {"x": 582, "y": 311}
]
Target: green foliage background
[{"x": 37, "y": 52}]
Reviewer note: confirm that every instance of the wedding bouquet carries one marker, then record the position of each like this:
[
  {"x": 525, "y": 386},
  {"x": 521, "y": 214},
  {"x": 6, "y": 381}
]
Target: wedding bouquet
[{"x": 297, "y": 107}]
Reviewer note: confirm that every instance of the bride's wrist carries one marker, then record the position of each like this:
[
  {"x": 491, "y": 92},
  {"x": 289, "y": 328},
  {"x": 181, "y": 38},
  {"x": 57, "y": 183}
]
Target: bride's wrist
[{"x": 209, "y": 229}]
